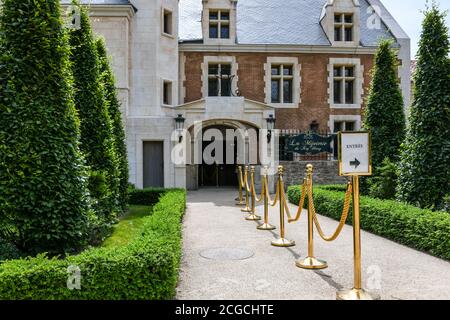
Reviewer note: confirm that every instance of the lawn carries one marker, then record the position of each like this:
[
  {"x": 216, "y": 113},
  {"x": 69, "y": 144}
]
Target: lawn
[{"x": 129, "y": 226}]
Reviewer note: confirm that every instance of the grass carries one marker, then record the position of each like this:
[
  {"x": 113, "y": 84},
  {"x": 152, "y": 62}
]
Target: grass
[{"x": 129, "y": 226}]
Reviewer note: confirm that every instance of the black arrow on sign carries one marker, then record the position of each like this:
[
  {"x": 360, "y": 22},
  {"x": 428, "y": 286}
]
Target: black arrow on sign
[{"x": 355, "y": 163}]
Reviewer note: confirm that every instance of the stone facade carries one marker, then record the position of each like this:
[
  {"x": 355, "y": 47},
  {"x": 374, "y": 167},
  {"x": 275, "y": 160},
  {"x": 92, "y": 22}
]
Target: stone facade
[
  {"x": 325, "y": 172},
  {"x": 155, "y": 57}
]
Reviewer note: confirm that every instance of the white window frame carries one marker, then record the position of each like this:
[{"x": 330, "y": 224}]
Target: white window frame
[
  {"x": 219, "y": 22},
  {"x": 358, "y": 82},
  {"x": 296, "y": 81},
  {"x": 342, "y": 25},
  {"x": 345, "y": 118},
  {"x": 172, "y": 22},
  {"x": 171, "y": 102},
  {"x": 207, "y": 60}
]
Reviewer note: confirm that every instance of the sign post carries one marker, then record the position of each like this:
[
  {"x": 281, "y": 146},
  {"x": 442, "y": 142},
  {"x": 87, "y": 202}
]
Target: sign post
[{"x": 355, "y": 161}]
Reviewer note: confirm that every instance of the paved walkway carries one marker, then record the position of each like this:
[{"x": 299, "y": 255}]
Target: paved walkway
[{"x": 213, "y": 221}]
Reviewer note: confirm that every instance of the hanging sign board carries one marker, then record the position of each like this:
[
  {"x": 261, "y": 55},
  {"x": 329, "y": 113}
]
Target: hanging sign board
[
  {"x": 354, "y": 154},
  {"x": 309, "y": 143}
]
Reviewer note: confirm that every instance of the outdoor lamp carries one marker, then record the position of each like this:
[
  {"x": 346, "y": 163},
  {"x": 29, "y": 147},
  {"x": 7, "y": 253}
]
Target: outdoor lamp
[
  {"x": 179, "y": 126},
  {"x": 270, "y": 126}
]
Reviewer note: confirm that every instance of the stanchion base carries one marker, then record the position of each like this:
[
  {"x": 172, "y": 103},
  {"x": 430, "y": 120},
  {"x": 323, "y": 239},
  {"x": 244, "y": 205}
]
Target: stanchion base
[
  {"x": 252, "y": 217},
  {"x": 240, "y": 203},
  {"x": 266, "y": 226},
  {"x": 311, "y": 263},
  {"x": 282, "y": 242},
  {"x": 355, "y": 294},
  {"x": 246, "y": 210}
]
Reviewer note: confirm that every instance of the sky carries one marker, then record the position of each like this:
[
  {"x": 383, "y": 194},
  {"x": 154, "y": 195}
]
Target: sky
[{"x": 409, "y": 16}]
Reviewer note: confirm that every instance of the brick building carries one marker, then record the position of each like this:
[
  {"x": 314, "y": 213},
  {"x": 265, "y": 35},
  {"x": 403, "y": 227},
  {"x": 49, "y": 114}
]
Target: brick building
[{"x": 234, "y": 64}]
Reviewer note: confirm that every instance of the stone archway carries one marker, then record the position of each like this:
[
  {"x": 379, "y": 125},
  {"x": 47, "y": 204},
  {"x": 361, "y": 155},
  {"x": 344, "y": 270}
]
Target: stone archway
[{"x": 221, "y": 173}]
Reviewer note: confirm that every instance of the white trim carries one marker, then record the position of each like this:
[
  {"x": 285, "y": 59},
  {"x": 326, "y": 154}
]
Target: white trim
[
  {"x": 172, "y": 28},
  {"x": 296, "y": 83},
  {"x": 182, "y": 75},
  {"x": 354, "y": 118},
  {"x": 102, "y": 10},
  {"x": 219, "y": 59},
  {"x": 359, "y": 82},
  {"x": 267, "y": 48}
]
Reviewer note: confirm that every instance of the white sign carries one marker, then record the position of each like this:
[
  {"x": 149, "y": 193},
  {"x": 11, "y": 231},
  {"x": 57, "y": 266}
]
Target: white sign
[{"x": 354, "y": 154}]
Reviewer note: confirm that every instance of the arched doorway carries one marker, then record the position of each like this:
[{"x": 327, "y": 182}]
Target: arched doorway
[
  {"x": 220, "y": 173},
  {"x": 220, "y": 170}
]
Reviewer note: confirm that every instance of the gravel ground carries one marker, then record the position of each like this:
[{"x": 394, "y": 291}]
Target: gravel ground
[{"x": 213, "y": 221}]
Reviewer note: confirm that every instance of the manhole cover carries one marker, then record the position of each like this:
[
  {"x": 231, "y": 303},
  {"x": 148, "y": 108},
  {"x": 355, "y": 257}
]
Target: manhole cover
[{"x": 225, "y": 254}]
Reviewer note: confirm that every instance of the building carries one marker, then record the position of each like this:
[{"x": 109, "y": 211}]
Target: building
[{"x": 235, "y": 64}]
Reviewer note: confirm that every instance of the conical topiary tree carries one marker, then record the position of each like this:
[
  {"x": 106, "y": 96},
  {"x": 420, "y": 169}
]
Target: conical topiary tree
[
  {"x": 42, "y": 177},
  {"x": 384, "y": 114},
  {"x": 425, "y": 162},
  {"x": 109, "y": 86},
  {"x": 97, "y": 142}
]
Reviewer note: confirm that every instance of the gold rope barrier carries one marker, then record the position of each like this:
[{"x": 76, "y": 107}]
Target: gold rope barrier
[
  {"x": 301, "y": 204},
  {"x": 245, "y": 185},
  {"x": 252, "y": 216},
  {"x": 282, "y": 241},
  {"x": 344, "y": 215},
  {"x": 310, "y": 262},
  {"x": 265, "y": 189},
  {"x": 240, "y": 199}
]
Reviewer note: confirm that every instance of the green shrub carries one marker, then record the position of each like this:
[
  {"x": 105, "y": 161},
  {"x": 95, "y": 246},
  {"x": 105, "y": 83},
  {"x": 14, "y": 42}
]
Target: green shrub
[
  {"x": 424, "y": 169},
  {"x": 97, "y": 141},
  {"x": 43, "y": 181},
  {"x": 147, "y": 196},
  {"x": 146, "y": 268},
  {"x": 418, "y": 228},
  {"x": 109, "y": 85},
  {"x": 8, "y": 251},
  {"x": 383, "y": 186}
]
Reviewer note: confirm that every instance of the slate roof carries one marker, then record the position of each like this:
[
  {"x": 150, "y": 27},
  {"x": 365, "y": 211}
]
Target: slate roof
[{"x": 286, "y": 22}]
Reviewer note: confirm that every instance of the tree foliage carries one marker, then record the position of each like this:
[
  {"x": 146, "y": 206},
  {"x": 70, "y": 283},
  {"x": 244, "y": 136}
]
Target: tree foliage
[
  {"x": 425, "y": 162},
  {"x": 43, "y": 194},
  {"x": 97, "y": 142},
  {"x": 384, "y": 114},
  {"x": 109, "y": 85}
]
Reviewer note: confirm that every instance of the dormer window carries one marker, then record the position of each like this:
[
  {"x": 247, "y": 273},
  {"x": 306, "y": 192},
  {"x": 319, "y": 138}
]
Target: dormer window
[
  {"x": 343, "y": 27},
  {"x": 219, "y": 24}
]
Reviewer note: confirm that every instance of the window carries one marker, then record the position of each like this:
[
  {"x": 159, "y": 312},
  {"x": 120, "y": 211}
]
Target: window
[
  {"x": 343, "y": 27},
  {"x": 219, "y": 79},
  {"x": 167, "y": 93},
  {"x": 344, "y": 84},
  {"x": 344, "y": 126},
  {"x": 219, "y": 24},
  {"x": 167, "y": 22},
  {"x": 281, "y": 83}
]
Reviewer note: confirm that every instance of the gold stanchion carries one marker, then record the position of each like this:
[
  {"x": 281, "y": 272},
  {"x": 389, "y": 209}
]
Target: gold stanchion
[
  {"x": 310, "y": 262},
  {"x": 265, "y": 186},
  {"x": 245, "y": 185},
  {"x": 252, "y": 216},
  {"x": 240, "y": 199},
  {"x": 282, "y": 241},
  {"x": 357, "y": 293}
]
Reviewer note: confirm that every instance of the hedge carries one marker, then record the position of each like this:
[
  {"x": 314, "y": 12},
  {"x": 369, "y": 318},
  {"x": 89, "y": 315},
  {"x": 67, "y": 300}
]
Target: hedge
[
  {"x": 422, "y": 229},
  {"x": 147, "y": 196},
  {"x": 147, "y": 268}
]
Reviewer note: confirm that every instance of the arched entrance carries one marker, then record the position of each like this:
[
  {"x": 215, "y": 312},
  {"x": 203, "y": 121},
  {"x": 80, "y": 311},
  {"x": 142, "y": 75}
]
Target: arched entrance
[{"x": 223, "y": 146}]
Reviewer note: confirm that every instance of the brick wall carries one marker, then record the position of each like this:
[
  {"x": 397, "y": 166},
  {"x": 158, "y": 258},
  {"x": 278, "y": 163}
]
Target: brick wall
[{"x": 314, "y": 85}]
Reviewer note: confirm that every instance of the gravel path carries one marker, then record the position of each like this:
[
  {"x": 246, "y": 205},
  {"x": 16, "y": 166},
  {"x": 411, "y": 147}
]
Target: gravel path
[{"x": 212, "y": 221}]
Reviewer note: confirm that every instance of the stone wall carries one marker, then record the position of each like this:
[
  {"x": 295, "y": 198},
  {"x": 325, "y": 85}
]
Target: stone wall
[{"x": 325, "y": 172}]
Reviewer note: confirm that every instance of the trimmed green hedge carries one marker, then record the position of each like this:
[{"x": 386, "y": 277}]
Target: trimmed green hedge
[
  {"x": 421, "y": 229},
  {"x": 147, "y": 268},
  {"x": 146, "y": 197}
]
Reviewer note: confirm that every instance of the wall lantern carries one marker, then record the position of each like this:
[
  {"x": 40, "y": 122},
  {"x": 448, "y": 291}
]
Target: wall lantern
[
  {"x": 179, "y": 126},
  {"x": 270, "y": 127}
]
